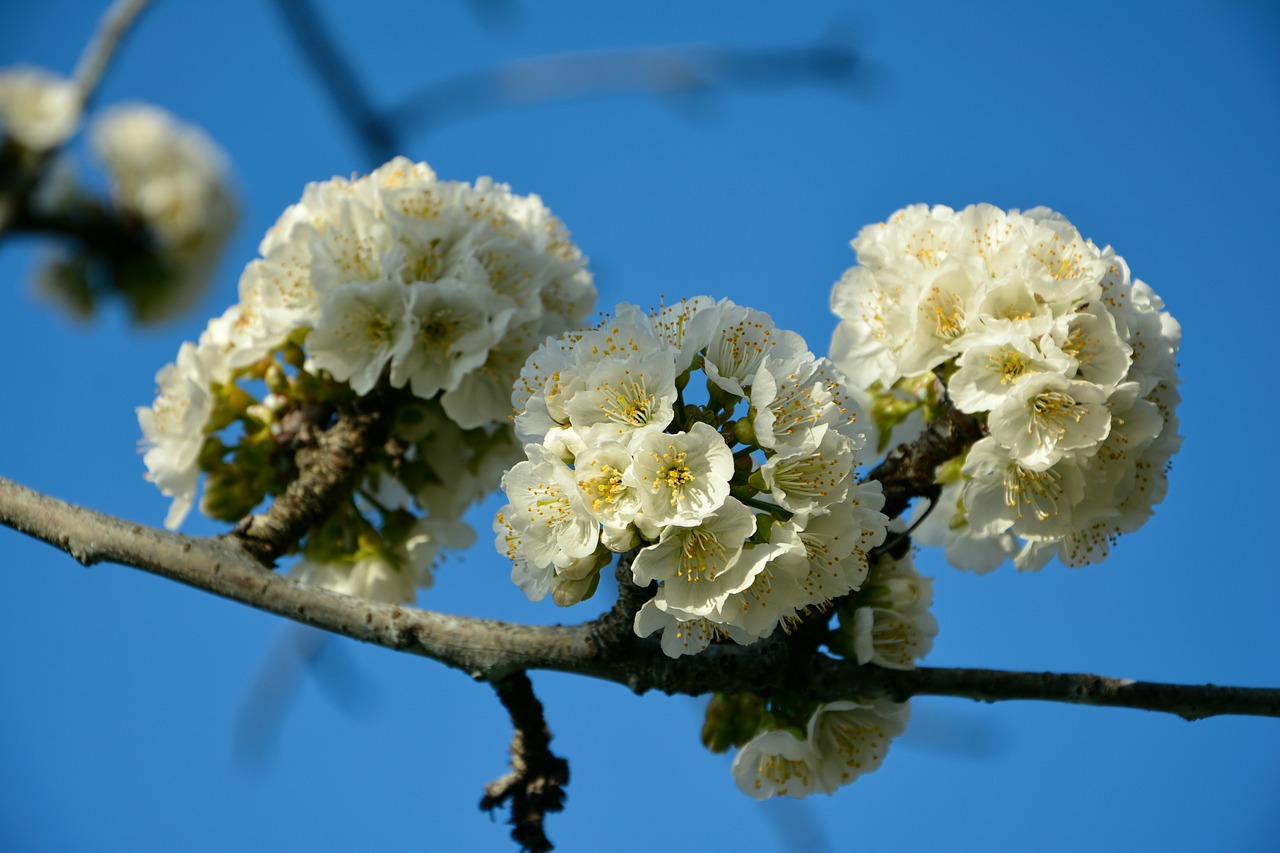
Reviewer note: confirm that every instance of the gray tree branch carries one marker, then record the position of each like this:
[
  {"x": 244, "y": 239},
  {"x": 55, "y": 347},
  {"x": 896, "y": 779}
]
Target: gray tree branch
[
  {"x": 115, "y": 24},
  {"x": 329, "y": 467},
  {"x": 491, "y": 650},
  {"x": 535, "y": 785}
]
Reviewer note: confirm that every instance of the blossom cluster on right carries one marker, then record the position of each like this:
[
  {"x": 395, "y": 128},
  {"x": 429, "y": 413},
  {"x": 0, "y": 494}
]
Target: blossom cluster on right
[{"x": 1067, "y": 362}]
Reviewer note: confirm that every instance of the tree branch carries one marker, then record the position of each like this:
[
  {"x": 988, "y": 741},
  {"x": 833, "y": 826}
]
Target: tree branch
[
  {"x": 909, "y": 469},
  {"x": 338, "y": 79},
  {"x": 112, "y": 28},
  {"x": 664, "y": 70},
  {"x": 327, "y": 473},
  {"x": 490, "y": 650},
  {"x": 536, "y": 782},
  {"x": 102, "y": 231}
]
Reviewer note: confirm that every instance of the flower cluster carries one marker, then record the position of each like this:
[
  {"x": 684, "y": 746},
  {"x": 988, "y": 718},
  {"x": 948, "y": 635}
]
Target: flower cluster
[
  {"x": 430, "y": 294},
  {"x": 38, "y": 110},
  {"x": 1068, "y": 364},
  {"x": 743, "y": 505},
  {"x": 174, "y": 179},
  {"x": 887, "y": 622},
  {"x": 796, "y": 748},
  {"x": 843, "y": 741},
  {"x": 156, "y": 241}
]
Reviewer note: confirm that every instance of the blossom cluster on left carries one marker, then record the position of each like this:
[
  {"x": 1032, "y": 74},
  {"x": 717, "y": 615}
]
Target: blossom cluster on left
[
  {"x": 427, "y": 293},
  {"x": 155, "y": 240}
]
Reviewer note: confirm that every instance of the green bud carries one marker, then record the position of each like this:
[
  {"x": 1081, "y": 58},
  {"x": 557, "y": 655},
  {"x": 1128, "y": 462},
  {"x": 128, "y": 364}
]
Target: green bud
[
  {"x": 949, "y": 472},
  {"x": 743, "y": 431},
  {"x": 566, "y": 592},
  {"x": 277, "y": 380},
  {"x": 212, "y": 452},
  {"x": 718, "y": 728},
  {"x": 293, "y": 354},
  {"x": 603, "y": 558},
  {"x": 732, "y": 719}
]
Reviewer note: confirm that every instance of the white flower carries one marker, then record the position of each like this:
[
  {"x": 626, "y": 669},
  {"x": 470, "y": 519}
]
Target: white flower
[
  {"x": 534, "y": 580},
  {"x": 701, "y": 565},
  {"x": 1003, "y": 495},
  {"x": 673, "y": 324},
  {"x": 483, "y": 396},
  {"x": 176, "y": 179},
  {"x": 812, "y": 479},
  {"x": 425, "y": 539},
  {"x": 454, "y": 332},
  {"x": 777, "y": 763},
  {"x": 355, "y": 247},
  {"x": 795, "y": 399},
  {"x": 169, "y": 173},
  {"x": 547, "y": 510},
  {"x": 947, "y": 526},
  {"x": 38, "y": 109},
  {"x": 851, "y": 738},
  {"x": 680, "y": 635},
  {"x": 837, "y": 558},
  {"x": 681, "y": 478},
  {"x": 738, "y": 339},
  {"x": 892, "y": 626},
  {"x": 371, "y": 578},
  {"x": 776, "y": 594},
  {"x": 993, "y": 366},
  {"x": 360, "y": 330},
  {"x": 618, "y": 399},
  {"x": 946, "y": 312},
  {"x": 877, "y": 320},
  {"x": 1089, "y": 337},
  {"x": 890, "y": 638},
  {"x": 1048, "y": 416},
  {"x": 600, "y": 475},
  {"x": 914, "y": 239},
  {"x": 173, "y": 427}
]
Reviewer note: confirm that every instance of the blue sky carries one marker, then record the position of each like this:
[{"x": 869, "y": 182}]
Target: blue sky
[{"x": 1153, "y": 127}]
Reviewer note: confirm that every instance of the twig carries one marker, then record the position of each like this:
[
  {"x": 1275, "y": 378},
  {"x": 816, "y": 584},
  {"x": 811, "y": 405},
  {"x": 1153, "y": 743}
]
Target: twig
[
  {"x": 116, "y": 23},
  {"x": 327, "y": 474},
  {"x": 490, "y": 650},
  {"x": 909, "y": 469},
  {"x": 338, "y": 79},
  {"x": 101, "y": 231},
  {"x": 535, "y": 785},
  {"x": 671, "y": 70},
  {"x": 616, "y": 627}
]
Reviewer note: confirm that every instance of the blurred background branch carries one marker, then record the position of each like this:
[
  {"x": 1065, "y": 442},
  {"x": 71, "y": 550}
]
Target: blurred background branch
[
  {"x": 668, "y": 72},
  {"x": 19, "y": 176},
  {"x": 115, "y": 25},
  {"x": 325, "y": 59}
]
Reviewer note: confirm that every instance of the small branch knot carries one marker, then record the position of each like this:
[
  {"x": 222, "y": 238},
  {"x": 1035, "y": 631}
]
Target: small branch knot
[{"x": 535, "y": 785}]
